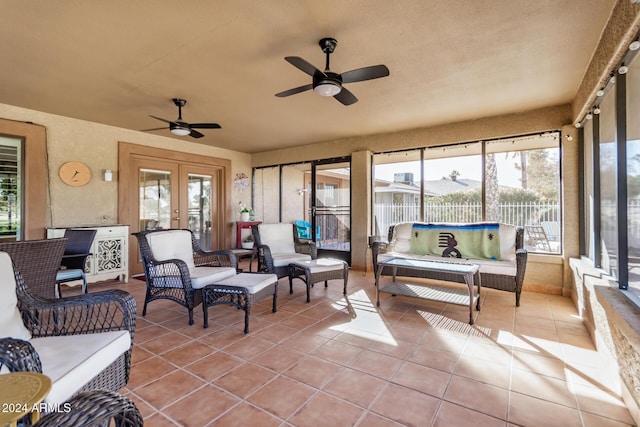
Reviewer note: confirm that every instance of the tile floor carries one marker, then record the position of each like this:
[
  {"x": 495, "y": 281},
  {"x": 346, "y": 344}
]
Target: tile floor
[{"x": 343, "y": 362}]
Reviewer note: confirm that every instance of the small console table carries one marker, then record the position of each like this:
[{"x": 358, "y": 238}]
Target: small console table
[
  {"x": 430, "y": 292},
  {"x": 241, "y": 231}
]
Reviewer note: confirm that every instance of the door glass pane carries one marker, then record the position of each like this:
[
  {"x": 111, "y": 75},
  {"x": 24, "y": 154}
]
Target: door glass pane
[
  {"x": 633, "y": 175},
  {"x": 155, "y": 199},
  {"x": 608, "y": 187},
  {"x": 453, "y": 183},
  {"x": 10, "y": 188},
  {"x": 333, "y": 206},
  {"x": 200, "y": 205},
  {"x": 267, "y": 194},
  {"x": 296, "y": 198},
  {"x": 523, "y": 187}
]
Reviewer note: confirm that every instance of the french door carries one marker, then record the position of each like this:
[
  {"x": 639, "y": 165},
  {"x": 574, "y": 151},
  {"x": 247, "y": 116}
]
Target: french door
[{"x": 175, "y": 195}]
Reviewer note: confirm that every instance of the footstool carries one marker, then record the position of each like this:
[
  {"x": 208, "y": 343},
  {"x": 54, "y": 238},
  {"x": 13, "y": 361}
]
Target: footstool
[
  {"x": 242, "y": 290},
  {"x": 318, "y": 270}
]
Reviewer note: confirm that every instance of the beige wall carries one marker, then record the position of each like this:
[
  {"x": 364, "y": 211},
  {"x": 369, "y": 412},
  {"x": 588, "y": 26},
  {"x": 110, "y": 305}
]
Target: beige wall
[{"x": 97, "y": 146}]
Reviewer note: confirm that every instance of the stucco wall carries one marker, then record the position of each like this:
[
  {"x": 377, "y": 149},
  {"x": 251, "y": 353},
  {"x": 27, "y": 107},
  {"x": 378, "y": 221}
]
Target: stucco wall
[{"x": 97, "y": 146}]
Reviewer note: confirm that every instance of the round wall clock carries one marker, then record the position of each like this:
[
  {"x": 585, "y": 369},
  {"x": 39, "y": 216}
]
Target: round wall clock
[{"x": 75, "y": 174}]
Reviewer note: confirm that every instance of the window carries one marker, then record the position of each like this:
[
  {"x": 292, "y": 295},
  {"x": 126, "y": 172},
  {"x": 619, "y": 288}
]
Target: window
[
  {"x": 633, "y": 176},
  {"x": 10, "y": 188},
  {"x": 519, "y": 185}
]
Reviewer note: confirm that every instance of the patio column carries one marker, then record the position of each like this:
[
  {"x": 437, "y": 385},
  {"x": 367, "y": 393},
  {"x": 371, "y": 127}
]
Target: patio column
[{"x": 360, "y": 208}]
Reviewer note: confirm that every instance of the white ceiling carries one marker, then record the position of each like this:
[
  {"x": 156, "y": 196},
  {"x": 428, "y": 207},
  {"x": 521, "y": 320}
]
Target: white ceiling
[{"x": 118, "y": 61}]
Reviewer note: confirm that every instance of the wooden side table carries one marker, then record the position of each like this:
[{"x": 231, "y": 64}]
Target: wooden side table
[
  {"x": 243, "y": 225},
  {"x": 20, "y": 393}
]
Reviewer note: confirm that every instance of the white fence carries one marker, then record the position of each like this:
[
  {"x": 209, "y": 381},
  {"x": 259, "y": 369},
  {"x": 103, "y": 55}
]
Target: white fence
[{"x": 524, "y": 213}]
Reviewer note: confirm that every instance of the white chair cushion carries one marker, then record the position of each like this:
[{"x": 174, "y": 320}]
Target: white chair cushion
[
  {"x": 283, "y": 260},
  {"x": 279, "y": 238},
  {"x": 254, "y": 282},
  {"x": 172, "y": 244},
  {"x": 203, "y": 276},
  {"x": 11, "y": 324},
  {"x": 321, "y": 265},
  {"x": 71, "y": 361}
]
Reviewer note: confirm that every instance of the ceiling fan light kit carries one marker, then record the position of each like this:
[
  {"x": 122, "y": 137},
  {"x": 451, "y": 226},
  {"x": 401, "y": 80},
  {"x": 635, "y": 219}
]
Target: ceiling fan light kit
[
  {"x": 179, "y": 127},
  {"x": 328, "y": 83}
]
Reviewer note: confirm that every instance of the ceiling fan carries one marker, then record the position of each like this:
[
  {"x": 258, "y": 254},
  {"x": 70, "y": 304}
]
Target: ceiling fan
[
  {"x": 180, "y": 127},
  {"x": 328, "y": 83}
]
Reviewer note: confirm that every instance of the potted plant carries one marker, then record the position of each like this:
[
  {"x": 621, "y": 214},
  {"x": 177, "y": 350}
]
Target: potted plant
[
  {"x": 247, "y": 242},
  {"x": 244, "y": 213}
]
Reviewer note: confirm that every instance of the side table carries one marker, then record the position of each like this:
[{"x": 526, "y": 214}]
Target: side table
[{"x": 20, "y": 394}]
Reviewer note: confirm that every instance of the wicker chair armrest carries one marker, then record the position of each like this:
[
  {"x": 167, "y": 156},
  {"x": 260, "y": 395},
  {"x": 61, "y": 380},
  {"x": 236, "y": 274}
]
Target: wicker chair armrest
[
  {"x": 306, "y": 247},
  {"x": 109, "y": 310},
  {"x": 521, "y": 266},
  {"x": 19, "y": 356},
  {"x": 95, "y": 408},
  {"x": 222, "y": 258},
  {"x": 265, "y": 259}
]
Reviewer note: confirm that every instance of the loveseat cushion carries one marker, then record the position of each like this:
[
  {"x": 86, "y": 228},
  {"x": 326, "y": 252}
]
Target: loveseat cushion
[
  {"x": 71, "y": 361},
  {"x": 11, "y": 324},
  {"x": 203, "y": 276},
  {"x": 279, "y": 238},
  {"x": 172, "y": 244}
]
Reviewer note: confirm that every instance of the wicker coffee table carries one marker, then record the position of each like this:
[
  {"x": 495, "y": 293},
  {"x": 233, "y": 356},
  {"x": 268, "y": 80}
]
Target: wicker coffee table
[
  {"x": 318, "y": 270},
  {"x": 242, "y": 290}
]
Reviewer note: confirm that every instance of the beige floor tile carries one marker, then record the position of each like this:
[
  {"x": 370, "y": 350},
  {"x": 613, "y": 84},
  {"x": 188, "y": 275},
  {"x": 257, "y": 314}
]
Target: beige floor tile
[
  {"x": 200, "y": 407},
  {"x": 480, "y": 397},
  {"x": 355, "y": 386},
  {"x": 188, "y": 353},
  {"x": 426, "y": 355},
  {"x": 245, "y": 414},
  {"x": 213, "y": 366},
  {"x": 422, "y": 378},
  {"x": 147, "y": 371},
  {"x": 530, "y": 411},
  {"x": 278, "y": 358},
  {"x": 483, "y": 371},
  {"x": 450, "y": 415},
  {"x": 169, "y": 388},
  {"x": 282, "y": 396},
  {"x": 337, "y": 352},
  {"x": 314, "y": 413},
  {"x": 380, "y": 365},
  {"x": 165, "y": 343},
  {"x": 543, "y": 387},
  {"x": 408, "y": 407},
  {"x": 313, "y": 371},
  {"x": 245, "y": 379}
]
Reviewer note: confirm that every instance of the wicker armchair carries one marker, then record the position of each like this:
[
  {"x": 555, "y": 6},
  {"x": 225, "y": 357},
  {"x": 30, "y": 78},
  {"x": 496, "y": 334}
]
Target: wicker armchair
[
  {"x": 176, "y": 269},
  {"x": 38, "y": 261},
  {"x": 95, "y": 408},
  {"x": 68, "y": 320},
  {"x": 279, "y": 245}
]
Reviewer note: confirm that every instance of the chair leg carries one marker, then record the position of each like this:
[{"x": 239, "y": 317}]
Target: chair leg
[
  {"x": 246, "y": 319},
  {"x": 84, "y": 284},
  {"x": 58, "y": 290},
  {"x": 191, "y": 316}
]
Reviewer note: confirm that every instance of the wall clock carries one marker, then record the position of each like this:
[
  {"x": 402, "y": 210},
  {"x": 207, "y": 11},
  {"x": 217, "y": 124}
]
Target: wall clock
[{"x": 75, "y": 174}]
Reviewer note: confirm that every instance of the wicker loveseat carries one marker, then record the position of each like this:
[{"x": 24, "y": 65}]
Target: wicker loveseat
[
  {"x": 505, "y": 274},
  {"x": 81, "y": 342}
]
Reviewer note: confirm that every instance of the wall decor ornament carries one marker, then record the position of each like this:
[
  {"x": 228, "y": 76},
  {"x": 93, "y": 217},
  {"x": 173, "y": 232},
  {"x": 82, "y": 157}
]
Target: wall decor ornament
[{"x": 241, "y": 182}]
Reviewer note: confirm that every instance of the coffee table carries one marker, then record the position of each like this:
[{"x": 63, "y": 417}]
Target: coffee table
[{"x": 431, "y": 292}]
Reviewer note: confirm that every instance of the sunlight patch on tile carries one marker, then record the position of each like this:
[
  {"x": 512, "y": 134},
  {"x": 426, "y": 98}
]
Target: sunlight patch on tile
[
  {"x": 438, "y": 321},
  {"x": 365, "y": 321}
]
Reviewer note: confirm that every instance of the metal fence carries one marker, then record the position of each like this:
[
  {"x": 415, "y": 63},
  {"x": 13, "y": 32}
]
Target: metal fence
[{"x": 524, "y": 213}]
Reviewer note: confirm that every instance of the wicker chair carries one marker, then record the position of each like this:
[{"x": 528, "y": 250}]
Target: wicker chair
[
  {"x": 38, "y": 261},
  {"x": 178, "y": 273},
  {"x": 279, "y": 245},
  {"x": 71, "y": 318},
  {"x": 93, "y": 408}
]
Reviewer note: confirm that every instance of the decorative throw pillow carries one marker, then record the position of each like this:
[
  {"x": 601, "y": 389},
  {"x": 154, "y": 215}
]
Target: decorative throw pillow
[
  {"x": 11, "y": 324},
  {"x": 468, "y": 241}
]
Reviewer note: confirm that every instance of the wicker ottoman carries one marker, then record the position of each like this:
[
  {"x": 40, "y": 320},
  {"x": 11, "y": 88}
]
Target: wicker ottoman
[
  {"x": 318, "y": 270},
  {"x": 242, "y": 290}
]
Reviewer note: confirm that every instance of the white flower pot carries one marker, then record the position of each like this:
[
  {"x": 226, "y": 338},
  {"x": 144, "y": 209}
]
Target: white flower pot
[
  {"x": 244, "y": 216},
  {"x": 247, "y": 245}
]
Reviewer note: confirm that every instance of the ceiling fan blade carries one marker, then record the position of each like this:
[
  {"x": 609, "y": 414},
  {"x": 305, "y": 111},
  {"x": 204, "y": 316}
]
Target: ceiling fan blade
[
  {"x": 346, "y": 97},
  {"x": 195, "y": 134},
  {"x": 205, "y": 126},
  {"x": 303, "y": 65},
  {"x": 366, "y": 73},
  {"x": 161, "y": 119},
  {"x": 294, "y": 91},
  {"x": 147, "y": 130}
]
